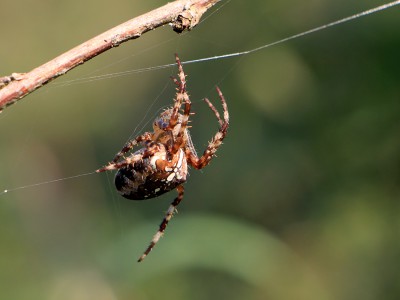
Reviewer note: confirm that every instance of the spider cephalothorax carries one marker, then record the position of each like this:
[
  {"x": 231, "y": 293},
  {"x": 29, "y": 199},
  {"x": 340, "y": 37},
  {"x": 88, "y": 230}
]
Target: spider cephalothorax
[{"x": 162, "y": 164}]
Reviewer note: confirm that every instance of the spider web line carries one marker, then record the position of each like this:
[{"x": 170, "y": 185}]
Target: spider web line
[
  {"x": 211, "y": 58},
  {"x": 45, "y": 182},
  {"x": 231, "y": 55}
]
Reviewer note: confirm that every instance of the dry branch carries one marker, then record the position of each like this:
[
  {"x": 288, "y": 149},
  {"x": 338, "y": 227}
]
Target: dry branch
[{"x": 182, "y": 15}]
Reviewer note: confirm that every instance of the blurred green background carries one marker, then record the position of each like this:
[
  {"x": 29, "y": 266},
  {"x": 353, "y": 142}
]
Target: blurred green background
[{"x": 302, "y": 201}]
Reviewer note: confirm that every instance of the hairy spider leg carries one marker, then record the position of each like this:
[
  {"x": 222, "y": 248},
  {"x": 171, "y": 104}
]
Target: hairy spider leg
[
  {"x": 150, "y": 150},
  {"x": 128, "y": 146},
  {"x": 177, "y": 143},
  {"x": 132, "y": 143},
  {"x": 181, "y": 96},
  {"x": 145, "y": 137},
  {"x": 214, "y": 110},
  {"x": 164, "y": 223},
  {"x": 224, "y": 106},
  {"x": 181, "y": 91},
  {"x": 216, "y": 142}
]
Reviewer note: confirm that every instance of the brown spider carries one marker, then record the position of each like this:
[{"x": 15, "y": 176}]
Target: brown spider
[{"x": 162, "y": 164}]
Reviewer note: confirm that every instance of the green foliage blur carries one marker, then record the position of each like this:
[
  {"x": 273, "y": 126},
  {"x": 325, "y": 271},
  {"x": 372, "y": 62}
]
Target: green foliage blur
[{"x": 302, "y": 201}]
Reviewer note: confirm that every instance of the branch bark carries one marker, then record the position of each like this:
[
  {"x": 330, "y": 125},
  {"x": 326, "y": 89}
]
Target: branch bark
[{"x": 181, "y": 15}]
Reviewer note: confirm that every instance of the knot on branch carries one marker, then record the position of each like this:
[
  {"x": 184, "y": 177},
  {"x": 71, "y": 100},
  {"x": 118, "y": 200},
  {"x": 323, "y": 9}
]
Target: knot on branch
[
  {"x": 13, "y": 77},
  {"x": 190, "y": 17}
]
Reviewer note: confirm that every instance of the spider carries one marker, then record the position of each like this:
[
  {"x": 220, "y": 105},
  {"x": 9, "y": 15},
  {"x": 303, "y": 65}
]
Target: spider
[{"x": 162, "y": 164}]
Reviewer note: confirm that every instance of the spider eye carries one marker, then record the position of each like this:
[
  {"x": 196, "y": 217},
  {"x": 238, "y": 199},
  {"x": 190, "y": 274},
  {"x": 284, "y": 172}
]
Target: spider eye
[{"x": 161, "y": 123}]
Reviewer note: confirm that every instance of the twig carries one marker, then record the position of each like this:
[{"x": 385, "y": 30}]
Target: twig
[{"x": 181, "y": 15}]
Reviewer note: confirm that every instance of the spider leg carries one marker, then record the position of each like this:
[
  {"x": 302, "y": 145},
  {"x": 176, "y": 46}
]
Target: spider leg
[
  {"x": 180, "y": 95},
  {"x": 214, "y": 110},
  {"x": 178, "y": 141},
  {"x": 164, "y": 223},
  {"x": 223, "y": 123},
  {"x": 128, "y": 146},
  {"x": 118, "y": 165},
  {"x": 134, "y": 158},
  {"x": 113, "y": 165},
  {"x": 212, "y": 147}
]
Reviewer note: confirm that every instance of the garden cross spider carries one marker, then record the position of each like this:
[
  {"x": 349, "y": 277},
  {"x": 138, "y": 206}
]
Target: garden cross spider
[{"x": 162, "y": 164}]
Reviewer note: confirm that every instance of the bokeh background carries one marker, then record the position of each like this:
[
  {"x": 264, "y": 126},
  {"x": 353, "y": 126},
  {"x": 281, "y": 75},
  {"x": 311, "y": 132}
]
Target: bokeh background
[{"x": 302, "y": 201}]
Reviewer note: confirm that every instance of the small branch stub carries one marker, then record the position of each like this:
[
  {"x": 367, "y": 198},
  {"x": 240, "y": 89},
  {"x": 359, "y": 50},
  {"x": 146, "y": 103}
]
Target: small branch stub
[
  {"x": 7, "y": 79},
  {"x": 181, "y": 15},
  {"x": 191, "y": 16}
]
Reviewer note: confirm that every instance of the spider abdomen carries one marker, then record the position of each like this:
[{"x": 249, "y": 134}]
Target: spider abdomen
[{"x": 151, "y": 177}]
